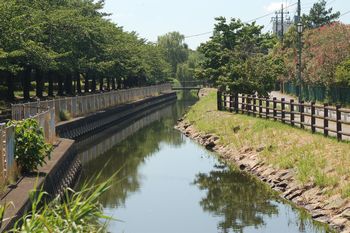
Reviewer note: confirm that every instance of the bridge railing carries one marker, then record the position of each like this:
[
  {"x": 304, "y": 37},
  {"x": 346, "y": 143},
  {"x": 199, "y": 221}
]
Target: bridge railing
[{"x": 82, "y": 105}]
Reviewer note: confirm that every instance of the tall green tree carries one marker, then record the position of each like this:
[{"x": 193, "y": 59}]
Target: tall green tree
[
  {"x": 319, "y": 15},
  {"x": 176, "y": 51},
  {"x": 231, "y": 54}
]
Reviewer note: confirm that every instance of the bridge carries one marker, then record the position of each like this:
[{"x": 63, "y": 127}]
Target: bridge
[{"x": 189, "y": 85}]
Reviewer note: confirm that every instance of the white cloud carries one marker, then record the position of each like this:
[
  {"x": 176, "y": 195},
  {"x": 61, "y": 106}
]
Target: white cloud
[{"x": 273, "y": 6}]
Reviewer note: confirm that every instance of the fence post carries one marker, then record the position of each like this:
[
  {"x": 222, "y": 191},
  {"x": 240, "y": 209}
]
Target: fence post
[
  {"x": 302, "y": 117},
  {"x": 283, "y": 108},
  {"x": 219, "y": 99},
  {"x": 249, "y": 107},
  {"x": 274, "y": 106},
  {"x": 313, "y": 119},
  {"x": 231, "y": 103},
  {"x": 338, "y": 121},
  {"x": 260, "y": 107},
  {"x": 325, "y": 120},
  {"x": 236, "y": 103},
  {"x": 292, "y": 112},
  {"x": 243, "y": 105},
  {"x": 267, "y": 112},
  {"x": 254, "y": 105}
]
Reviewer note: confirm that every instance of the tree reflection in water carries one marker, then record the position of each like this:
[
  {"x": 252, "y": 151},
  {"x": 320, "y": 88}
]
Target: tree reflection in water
[{"x": 237, "y": 197}]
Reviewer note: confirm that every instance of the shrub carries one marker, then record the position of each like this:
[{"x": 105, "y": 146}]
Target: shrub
[
  {"x": 64, "y": 115},
  {"x": 30, "y": 147}
]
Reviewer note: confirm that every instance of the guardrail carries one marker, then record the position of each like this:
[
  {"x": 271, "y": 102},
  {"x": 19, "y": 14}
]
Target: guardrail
[
  {"x": 326, "y": 119},
  {"x": 82, "y": 105}
]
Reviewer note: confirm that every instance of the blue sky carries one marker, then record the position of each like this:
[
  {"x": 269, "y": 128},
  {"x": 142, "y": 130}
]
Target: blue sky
[{"x": 151, "y": 18}]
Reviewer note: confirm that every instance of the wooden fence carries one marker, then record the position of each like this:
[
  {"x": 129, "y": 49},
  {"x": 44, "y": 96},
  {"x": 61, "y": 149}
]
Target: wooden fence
[{"x": 325, "y": 119}]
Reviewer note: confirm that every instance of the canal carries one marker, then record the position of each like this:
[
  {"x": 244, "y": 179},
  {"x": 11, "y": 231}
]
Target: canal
[{"x": 169, "y": 184}]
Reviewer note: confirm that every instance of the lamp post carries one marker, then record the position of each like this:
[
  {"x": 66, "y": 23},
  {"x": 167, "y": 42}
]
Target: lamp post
[{"x": 300, "y": 31}]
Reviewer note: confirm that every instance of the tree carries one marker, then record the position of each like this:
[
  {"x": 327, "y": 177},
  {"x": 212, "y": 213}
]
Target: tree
[
  {"x": 230, "y": 54},
  {"x": 175, "y": 50},
  {"x": 319, "y": 15}
]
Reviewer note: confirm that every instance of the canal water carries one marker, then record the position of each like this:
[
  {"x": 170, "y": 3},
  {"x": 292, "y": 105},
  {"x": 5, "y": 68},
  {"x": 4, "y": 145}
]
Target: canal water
[{"x": 167, "y": 183}]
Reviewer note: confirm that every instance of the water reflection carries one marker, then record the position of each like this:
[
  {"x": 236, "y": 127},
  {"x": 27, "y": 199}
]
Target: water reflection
[
  {"x": 124, "y": 154},
  {"x": 237, "y": 197}
]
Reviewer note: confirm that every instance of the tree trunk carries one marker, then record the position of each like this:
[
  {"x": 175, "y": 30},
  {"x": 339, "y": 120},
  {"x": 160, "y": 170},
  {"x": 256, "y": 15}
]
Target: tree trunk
[
  {"x": 113, "y": 83},
  {"x": 93, "y": 88},
  {"x": 86, "y": 83},
  {"x": 60, "y": 84},
  {"x": 101, "y": 84},
  {"x": 68, "y": 84},
  {"x": 108, "y": 84},
  {"x": 10, "y": 87},
  {"x": 39, "y": 83},
  {"x": 119, "y": 84},
  {"x": 50, "y": 80},
  {"x": 78, "y": 83},
  {"x": 26, "y": 79}
]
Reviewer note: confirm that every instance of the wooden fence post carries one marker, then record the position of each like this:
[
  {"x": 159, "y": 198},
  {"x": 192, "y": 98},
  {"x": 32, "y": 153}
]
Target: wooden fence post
[
  {"x": 260, "y": 108},
  {"x": 338, "y": 121},
  {"x": 243, "y": 104},
  {"x": 283, "y": 108},
  {"x": 236, "y": 103},
  {"x": 292, "y": 112},
  {"x": 302, "y": 117},
  {"x": 274, "y": 106},
  {"x": 267, "y": 112},
  {"x": 325, "y": 120},
  {"x": 313, "y": 118},
  {"x": 254, "y": 105},
  {"x": 231, "y": 102},
  {"x": 219, "y": 100},
  {"x": 248, "y": 104}
]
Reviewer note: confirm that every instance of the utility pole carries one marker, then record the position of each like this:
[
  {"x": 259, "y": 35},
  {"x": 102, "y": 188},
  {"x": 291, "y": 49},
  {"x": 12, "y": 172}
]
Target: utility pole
[
  {"x": 280, "y": 19},
  {"x": 300, "y": 31}
]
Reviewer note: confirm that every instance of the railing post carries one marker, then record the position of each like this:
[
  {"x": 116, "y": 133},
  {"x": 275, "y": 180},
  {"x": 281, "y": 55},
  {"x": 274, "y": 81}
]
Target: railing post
[
  {"x": 274, "y": 106},
  {"x": 325, "y": 120},
  {"x": 236, "y": 103},
  {"x": 254, "y": 105},
  {"x": 260, "y": 108},
  {"x": 338, "y": 121},
  {"x": 302, "y": 117},
  {"x": 283, "y": 108},
  {"x": 313, "y": 119},
  {"x": 231, "y": 102},
  {"x": 267, "y": 111},
  {"x": 249, "y": 107},
  {"x": 219, "y": 100},
  {"x": 243, "y": 106},
  {"x": 292, "y": 112}
]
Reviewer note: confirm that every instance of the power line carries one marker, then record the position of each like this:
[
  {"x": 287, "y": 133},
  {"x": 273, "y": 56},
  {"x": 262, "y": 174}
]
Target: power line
[
  {"x": 249, "y": 21},
  {"x": 345, "y": 13}
]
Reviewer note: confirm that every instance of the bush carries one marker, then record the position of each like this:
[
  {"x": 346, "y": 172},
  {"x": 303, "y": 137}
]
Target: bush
[
  {"x": 30, "y": 147},
  {"x": 64, "y": 115}
]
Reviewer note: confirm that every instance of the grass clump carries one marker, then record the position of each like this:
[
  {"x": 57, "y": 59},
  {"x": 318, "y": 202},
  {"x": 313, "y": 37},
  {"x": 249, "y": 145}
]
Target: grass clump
[
  {"x": 315, "y": 158},
  {"x": 64, "y": 115},
  {"x": 78, "y": 211}
]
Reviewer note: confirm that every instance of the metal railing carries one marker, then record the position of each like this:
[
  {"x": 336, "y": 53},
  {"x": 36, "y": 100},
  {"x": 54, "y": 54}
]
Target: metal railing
[
  {"x": 325, "y": 119},
  {"x": 82, "y": 105},
  {"x": 7, "y": 149}
]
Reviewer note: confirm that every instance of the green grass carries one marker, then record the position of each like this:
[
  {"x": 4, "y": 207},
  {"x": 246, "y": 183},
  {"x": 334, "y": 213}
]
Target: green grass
[{"x": 322, "y": 161}]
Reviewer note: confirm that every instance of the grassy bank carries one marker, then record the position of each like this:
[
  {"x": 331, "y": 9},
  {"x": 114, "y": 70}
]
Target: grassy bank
[{"x": 322, "y": 161}]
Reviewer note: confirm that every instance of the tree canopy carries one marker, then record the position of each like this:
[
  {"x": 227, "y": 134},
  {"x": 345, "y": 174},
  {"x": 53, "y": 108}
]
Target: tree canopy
[
  {"x": 235, "y": 57},
  {"x": 319, "y": 15},
  {"x": 69, "y": 42}
]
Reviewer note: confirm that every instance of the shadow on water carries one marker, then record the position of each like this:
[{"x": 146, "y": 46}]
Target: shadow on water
[{"x": 168, "y": 183}]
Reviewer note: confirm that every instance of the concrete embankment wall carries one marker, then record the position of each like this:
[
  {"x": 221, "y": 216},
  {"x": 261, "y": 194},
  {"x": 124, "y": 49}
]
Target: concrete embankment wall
[
  {"x": 81, "y": 127},
  {"x": 63, "y": 169}
]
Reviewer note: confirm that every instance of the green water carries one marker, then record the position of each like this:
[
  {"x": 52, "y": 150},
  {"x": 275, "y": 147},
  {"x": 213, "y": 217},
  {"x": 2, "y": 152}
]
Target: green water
[{"x": 169, "y": 184}]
